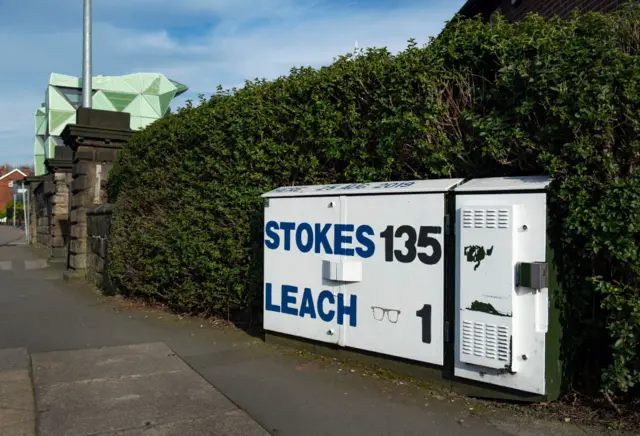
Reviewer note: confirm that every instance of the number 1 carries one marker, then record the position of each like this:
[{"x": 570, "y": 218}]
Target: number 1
[
  {"x": 425, "y": 314},
  {"x": 388, "y": 244}
]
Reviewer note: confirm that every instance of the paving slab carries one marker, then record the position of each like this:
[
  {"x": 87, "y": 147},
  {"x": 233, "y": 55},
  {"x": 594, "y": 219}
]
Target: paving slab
[
  {"x": 58, "y": 367},
  {"x": 134, "y": 389},
  {"x": 17, "y": 409},
  {"x": 232, "y": 423}
]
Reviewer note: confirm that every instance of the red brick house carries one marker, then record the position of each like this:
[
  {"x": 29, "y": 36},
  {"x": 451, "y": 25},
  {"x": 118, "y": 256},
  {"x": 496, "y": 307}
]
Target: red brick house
[
  {"x": 7, "y": 178},
  {"x": 515, "y": 10}
]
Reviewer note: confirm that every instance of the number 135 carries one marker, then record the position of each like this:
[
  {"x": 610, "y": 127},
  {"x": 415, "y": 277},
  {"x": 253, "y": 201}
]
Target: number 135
[{"x": 414, "y": 240}]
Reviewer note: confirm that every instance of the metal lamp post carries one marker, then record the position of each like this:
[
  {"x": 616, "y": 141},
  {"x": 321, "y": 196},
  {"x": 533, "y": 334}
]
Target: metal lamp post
[
  {"x": 15, "y": 199},
  {"x": 86, "y": 56},
  {"x": 27, "y": 217}
]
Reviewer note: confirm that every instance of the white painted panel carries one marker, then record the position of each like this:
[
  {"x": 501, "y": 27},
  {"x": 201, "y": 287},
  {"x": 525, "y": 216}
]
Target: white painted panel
[
  {"x": 487, "y": 237},
  {"x": 286, "y": 265},
  {"x": 401, "y": 295},
  {"x": 383, "y": 261},
  {"x": 521, "y": 183},
  {"x": 528, "y": 308}
]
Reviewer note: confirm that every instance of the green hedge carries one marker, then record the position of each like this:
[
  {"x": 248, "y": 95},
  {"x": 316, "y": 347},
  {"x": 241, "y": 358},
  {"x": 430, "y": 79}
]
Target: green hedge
[{"x": 554, "y": 97}]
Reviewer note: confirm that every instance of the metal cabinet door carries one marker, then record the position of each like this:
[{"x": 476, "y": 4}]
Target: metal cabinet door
[
  {"x": 401, "y": 295},
  {"x": 501, "y": 327},
  {"x": 297, "y": 299}
]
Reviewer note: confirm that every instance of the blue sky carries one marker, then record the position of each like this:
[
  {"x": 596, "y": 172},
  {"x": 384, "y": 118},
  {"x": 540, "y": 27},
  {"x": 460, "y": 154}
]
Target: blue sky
[{"x": 201, "y": 43}]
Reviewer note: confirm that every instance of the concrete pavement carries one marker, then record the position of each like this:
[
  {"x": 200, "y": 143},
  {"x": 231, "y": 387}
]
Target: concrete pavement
[
  {"x": 17, "y": 403},
  {"x": 130, "y": 390},
  {"x": 64, "y": 326}
]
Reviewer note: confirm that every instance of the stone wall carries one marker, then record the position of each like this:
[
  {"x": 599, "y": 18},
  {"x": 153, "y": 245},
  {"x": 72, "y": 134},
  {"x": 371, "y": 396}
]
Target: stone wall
[
  {"x": 59, "y": 173},
  {"x": 95, "y": 141},
  {"x": 88, "y": 189},
  {"x": 98, "y": 226},
  {"x": 59, "y": 224},
  {"x": 33, "y": 209},
  {"x": 42, "y": 209},
  {"x": 33, "y": 182}
]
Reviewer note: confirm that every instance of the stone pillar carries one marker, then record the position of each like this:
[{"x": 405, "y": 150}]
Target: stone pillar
[
  {"x": 43, "y": 211},
  {"x": 59, "y": 169},
  {"x": 33, "y": 182},
  {"x": 95, "y": 140}
]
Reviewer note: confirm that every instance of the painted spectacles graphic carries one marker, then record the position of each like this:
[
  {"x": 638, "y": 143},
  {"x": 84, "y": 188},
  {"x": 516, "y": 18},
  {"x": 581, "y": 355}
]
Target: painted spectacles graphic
[{"x": 380, "y": 312}]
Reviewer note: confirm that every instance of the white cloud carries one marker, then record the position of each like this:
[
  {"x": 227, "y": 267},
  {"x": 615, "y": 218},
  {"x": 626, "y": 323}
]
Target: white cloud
[
  {"x": 229, "y": 59},
  {"x": 235, "y": 40}
]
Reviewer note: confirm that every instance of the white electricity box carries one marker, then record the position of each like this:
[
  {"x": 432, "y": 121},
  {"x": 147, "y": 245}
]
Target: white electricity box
[
  {"x": 359, "y": 265},
  {"x": 446, "y": 272},
  {"x": 501, "y": 294}
]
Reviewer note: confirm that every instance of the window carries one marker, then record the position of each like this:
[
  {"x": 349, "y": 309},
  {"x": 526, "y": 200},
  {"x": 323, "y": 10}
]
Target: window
[{"x": 73, "y": 96}]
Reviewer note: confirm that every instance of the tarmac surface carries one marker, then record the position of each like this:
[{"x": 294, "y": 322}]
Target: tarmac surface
[{"x": 99, "y": 367}]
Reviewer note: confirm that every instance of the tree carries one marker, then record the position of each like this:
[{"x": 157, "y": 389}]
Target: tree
[{"x": 19, "y": 208}]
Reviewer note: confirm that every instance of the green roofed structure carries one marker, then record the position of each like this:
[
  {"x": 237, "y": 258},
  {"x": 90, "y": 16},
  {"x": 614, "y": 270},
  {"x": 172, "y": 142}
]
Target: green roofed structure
[{"x": 146, "y": 96}]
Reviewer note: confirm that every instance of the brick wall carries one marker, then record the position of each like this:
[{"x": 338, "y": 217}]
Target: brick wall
[
  {"x": 546, "y": 8},
  {"x": 6, "y": 193},
  {"x": 98, "y": 227},
  {"x": 562, "y": 8}
]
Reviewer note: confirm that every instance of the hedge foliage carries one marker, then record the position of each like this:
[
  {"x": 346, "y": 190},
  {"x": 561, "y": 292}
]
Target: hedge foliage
[{"x": 537, "y": 97}]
